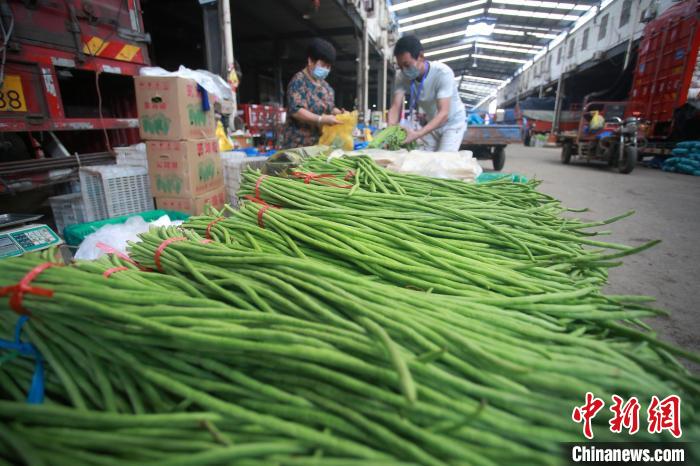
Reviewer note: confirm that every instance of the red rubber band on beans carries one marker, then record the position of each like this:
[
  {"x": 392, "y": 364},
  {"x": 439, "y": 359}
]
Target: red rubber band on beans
[
  {"x": 211, "y": 224},
  {"x": 107, "y": 273},
  {"x": 18, "y": 291},
  {"x": 264, "y": 208},
  {"x": 257, "y": 185},
  {"x": 319, "y": 178},
  {"x": 207, "y": 241},
  {"x": 110, "y": 250},
  {"x": 349, "y": 175},
  {"x": 162, "y": 247}
]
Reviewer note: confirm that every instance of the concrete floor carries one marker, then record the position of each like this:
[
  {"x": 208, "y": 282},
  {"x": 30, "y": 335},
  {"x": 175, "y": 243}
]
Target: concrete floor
[{"x": 667, "y": 207}]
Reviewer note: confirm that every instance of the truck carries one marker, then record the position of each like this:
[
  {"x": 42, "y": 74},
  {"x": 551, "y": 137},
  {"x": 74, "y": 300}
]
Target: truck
[
  {"x": 66, "y": 87},
  {"x": 536, "y": 117},
  {"x": 663, "y": 106}
]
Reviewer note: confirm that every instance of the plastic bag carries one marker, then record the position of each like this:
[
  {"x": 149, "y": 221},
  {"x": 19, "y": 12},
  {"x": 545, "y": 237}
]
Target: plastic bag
[
  {"x": 117, "y": 235},
  {"x": 214, "y": 84},
  {"x": 597, "y": 121},
  {"x": 340, "y": 136},
  {"x": 225, "y": 143},
  {"x": 455, "y": 165}
]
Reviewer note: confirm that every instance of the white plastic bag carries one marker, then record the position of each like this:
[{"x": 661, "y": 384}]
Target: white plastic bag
[
  {"x": 115, "y": 236},
  {"x": 213, "y": 84},
  {"x": 456, "y": 165}
]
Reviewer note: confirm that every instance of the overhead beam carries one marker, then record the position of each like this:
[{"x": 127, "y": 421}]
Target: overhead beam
[
  {"x": 327, "y": 32},
  {"x": 299, "y": 17}
]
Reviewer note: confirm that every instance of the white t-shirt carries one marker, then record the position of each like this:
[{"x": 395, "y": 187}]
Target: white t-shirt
[{"x": 439, "y": 84}]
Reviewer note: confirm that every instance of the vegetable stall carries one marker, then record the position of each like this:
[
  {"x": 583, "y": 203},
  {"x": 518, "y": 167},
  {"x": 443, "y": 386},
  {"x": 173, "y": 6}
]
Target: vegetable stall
[{"x": 344, "y": 315}]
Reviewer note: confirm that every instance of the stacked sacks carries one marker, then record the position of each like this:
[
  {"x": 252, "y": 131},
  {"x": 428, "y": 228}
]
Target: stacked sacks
[{"x": 685, "y": 159}]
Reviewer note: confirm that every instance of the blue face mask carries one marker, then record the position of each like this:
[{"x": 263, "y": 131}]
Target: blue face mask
[
  {"x": 411, "y": 72},
  {"x": 320, "y": 72}
]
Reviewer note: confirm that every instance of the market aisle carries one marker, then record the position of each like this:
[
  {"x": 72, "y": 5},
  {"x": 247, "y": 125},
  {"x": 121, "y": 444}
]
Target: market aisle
[{"x": 666, "y": 206}]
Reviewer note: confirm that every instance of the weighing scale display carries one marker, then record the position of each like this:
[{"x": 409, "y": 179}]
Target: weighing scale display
[
  {"x": 29, "y": 238},
  {"x": 8, "y": 247}
]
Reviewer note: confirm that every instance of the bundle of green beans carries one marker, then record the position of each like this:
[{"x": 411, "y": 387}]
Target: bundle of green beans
[
  {"x": 253, "y": 280},
  {"x": 297, "y": 351},
  {"x": 58, "y": 435},
  {"x": 391, "y": 250},
  {"x": 367, "y": 174},
  {"x": 391, "y": 138},
  {"x": 107, "y": 351},
  {"x": 523, "y": 234}
]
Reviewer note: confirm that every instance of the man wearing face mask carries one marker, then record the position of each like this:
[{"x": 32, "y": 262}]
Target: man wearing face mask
[
  {"x": 310, "y": 99},
  {"x": 436, "y": 113}
]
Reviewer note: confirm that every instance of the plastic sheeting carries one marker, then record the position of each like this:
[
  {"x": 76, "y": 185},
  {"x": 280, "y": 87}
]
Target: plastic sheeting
[
  {"x": 212, "y": 83},
  {"x": 117, "y": 235}
]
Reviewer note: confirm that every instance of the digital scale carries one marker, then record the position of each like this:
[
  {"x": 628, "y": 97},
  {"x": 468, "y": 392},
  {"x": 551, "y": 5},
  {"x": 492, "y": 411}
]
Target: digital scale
[{"x": 24, "y": 236}]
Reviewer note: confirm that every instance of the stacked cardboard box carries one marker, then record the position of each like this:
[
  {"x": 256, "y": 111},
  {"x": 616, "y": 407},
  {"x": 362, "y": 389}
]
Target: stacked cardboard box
[{"x": 176, "y": 119}]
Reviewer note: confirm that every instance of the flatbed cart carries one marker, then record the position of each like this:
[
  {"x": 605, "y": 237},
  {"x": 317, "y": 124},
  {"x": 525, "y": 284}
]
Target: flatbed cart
[{"x": 490, "y": 141}]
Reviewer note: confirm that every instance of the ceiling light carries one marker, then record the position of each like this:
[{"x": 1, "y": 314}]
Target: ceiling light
[
  {"x": 509, "y": 32},
  {"x": 456, "y": 57},
  {"x": 548, "y": 5},
  {"x": 542, "y": 35},
  {"x": 441, "y": 11},
  {"x": 442, "y": 37},
  {"x": 409, "y": 4},
  {"x": 506, "y": 49},
  {"x": 479, "y": 78},
  {"x": 513, "y": 44},
  {"x": 504, "y": 59},
  {"x": 532, "y": 14},
  {"x": 448, "y": 50},
  {"x": 444, "y": 19}
]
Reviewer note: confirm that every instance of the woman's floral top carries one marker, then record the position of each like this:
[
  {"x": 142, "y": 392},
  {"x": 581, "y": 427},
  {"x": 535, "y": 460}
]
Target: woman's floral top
[{"x": 315, "y": 96}]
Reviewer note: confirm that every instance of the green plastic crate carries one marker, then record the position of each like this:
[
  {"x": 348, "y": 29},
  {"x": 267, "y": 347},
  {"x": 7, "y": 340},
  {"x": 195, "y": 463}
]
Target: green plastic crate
[
  {"x": 490, "y": 176},
  {"x": 75, "y": 234}
]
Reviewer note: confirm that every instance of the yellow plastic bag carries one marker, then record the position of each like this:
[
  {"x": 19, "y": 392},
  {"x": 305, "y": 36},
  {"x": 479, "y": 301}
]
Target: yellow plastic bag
[
  {"x": 225, "y": 143},
  {"x": 597, "y": 121},
  {"x": 340, "y": 136}
]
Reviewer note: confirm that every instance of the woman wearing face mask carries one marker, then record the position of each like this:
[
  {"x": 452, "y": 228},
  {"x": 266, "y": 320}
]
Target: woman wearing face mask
[
  {"x": 310, "y": 99},
  {"x": 436, "y": 113}
]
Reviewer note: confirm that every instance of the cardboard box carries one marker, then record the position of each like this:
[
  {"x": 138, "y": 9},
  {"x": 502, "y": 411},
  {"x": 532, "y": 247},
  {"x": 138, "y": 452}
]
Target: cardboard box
[
  {"x": 184, "y": 168},
  {"x": 170, "y": 108},
  {"x": 193, "y": 205}
]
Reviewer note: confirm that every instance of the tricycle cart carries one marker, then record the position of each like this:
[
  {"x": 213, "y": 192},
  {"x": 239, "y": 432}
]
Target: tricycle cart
[{"x": 604, "y": 136}]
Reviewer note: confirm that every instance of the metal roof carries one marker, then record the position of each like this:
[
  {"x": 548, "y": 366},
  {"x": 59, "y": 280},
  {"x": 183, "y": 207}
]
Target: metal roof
[{"x": 485, "y": 41}]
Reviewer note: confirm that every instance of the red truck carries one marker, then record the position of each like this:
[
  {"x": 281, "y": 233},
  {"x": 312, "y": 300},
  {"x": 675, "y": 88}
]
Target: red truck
[{"x": 66, "y": 85}]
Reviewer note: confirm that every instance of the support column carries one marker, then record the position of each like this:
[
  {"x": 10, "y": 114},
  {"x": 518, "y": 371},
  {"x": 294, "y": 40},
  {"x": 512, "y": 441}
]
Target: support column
[
  {"x": 214, "y": 53},
  {"x": 360, "y": 86},
  {"x": 279, "y": 85},
  {"x": 365, "y": 72},
  {"x": 558, "y": 103},
  {"x": 382, "y": 86}
]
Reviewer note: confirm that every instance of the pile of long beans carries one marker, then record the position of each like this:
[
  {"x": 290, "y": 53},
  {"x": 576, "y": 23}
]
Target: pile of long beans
[
  {"x": 365, "y": 173},
  {"x": 331, "y": 325},
  {"x": 391, "y": 249},
  {"x": 530, "y": 234},
  {"x": 296, "y": 354}
]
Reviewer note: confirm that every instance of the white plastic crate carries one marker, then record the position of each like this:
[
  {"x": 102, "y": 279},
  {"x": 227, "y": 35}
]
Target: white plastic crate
[
  {"x": 68, "y": 209},
  {"x": 235, "y": 163},
  {"x": 115, "y": 190},
  {"x": 132, "y": 155}
]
